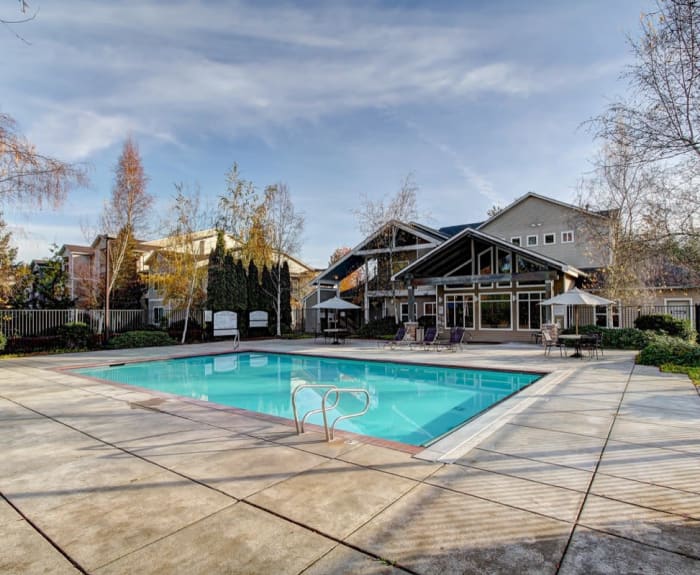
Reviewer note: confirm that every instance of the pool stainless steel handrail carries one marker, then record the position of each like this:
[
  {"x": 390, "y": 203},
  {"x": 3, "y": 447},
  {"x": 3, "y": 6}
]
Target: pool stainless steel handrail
[
  {"x": 338, "y": 391},
  {"x": 327, "y": 386}
]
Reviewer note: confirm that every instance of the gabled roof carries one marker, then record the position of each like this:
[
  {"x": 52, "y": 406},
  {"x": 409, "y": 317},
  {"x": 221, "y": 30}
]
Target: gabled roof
[
  {"x": 450, "y": 231},
  {"x": 354, "y": 258},
  {"x": 76, "y": 249},
  {"x": 606, "y": 214},
  {"x": 452, "y": 247}
]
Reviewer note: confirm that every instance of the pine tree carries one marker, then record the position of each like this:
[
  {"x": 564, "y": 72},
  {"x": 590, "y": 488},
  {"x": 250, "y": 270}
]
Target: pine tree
[
  {"x": 268, "y": 292},
  {"x": 216, "y": 289},
  {"x": 240, "y": 289},
  {"x": 129, "y": 286},
  {"x": 229, "y": 281},
  {"x": 253, "y": 287},
  {"x": 286, "y": 298}
]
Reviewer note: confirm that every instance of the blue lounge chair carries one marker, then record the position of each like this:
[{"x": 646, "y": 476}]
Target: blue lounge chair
[
  {"x": 455, "y": 340},
  {"x": 399, "y": 337},
  {"x": 429, "y": 338}
]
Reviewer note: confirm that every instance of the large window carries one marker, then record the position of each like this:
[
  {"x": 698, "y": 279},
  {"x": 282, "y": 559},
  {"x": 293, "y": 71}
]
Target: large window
[
  {"x": 495, "y": 310},
  {"x": 529, "y": 310},
  {"x": 429, "y": 308},
  {"x": 459, "y": 310}
]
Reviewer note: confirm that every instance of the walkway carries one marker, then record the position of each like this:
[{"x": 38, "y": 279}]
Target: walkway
[{"x": 600, "y": 473}]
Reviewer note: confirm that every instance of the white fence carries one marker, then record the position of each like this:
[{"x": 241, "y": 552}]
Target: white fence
[{"x": 27, "y": 322}]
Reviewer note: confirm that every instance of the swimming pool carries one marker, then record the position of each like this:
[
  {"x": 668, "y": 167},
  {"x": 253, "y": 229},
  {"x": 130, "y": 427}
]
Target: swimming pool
[{"x": 409, "y": 403}]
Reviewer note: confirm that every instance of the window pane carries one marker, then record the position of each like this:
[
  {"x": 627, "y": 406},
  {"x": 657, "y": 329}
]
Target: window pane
[{"x": 495, "y": 311}]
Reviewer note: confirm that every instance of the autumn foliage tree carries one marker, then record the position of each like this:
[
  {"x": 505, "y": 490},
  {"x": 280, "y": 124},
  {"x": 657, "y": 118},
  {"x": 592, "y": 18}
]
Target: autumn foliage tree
[{"x": 127, "y": 212}]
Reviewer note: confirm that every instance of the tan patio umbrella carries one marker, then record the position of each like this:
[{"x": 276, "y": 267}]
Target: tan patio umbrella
[{"x": 577, "y": 297}]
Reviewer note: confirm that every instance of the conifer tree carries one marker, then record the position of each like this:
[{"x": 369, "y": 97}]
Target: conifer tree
[
  {"x": 253, "y": 287},
  {"x": 286, "y": 297},
  {"x": 229, "y": 281},
  {"x": 240, "y": 289},
  {"x": 216, "y": 290}
]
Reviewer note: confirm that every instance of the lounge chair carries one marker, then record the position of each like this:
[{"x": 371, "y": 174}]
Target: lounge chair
[
  {"x": 399, "y": 337},
  {"x": 455, "y": 340},
  {"x": 429, "y": 338}
]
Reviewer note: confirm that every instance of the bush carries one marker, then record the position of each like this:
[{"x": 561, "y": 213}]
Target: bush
[
  {"x": 140, "y": 339},
  {"x": 664, "y": 349},
  {"x": 378, "y": 327},
  {"x": 622, "y": 338},
  {"x": 3, "y": 341},
  {"x": 75, "y": 335},
  {"x": 194, "y": 330},
  {"x": 664, "y": 323}
]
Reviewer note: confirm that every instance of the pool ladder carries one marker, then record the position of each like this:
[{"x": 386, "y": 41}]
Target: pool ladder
[{"x": 325, "y": 407}]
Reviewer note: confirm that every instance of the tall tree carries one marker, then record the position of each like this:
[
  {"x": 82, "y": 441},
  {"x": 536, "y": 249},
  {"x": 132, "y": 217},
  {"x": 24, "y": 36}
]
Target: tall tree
[
  {"x": 183, "y": 275},
  {"x": 229, "y": 280},
  {"x": 28, "y": 176},
  {"x": 8, "y": 253},
  {"x": 240, "y": 289},
  {"x": 253, "y": 287},
  {"x": 126, "y": 215},
  {"x": 128, "y": 286},
  {"x": 659, "y": 120},
  {"x": 51, "y": 289},
  {"x": 285, "y": 307},
  {"x": 284, "y": 227},
  {"x": 216, "y": 288},
  {"x": 380, "y": 216}
]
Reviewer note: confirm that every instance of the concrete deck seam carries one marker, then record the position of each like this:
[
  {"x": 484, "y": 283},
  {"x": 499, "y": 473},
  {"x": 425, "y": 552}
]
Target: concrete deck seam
[
  {"x": 593, "y": 476},
  {"x": 48, "y": 539},
  {"x": 256, "y": 506},
  {"x": 159, "y": 539}
]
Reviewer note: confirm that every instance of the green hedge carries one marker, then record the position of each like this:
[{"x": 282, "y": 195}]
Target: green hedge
[
  {"x": 140, "y": 339},
  {"x": 75, "y": 335},
  {"x": 665, "y": 349},
  {"x": 666, "y": 324},
  {"x": 614, "y": 338},
  {"x": 3, "y": 341}
]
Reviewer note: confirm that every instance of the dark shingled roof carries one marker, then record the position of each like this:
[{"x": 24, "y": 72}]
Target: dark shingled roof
[{"x": 454, "y": 230}]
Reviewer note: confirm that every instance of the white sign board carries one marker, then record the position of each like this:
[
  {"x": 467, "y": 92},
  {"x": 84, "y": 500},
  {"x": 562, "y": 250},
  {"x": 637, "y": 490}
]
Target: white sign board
[
  {"x": 258, "y": 319},
  {"x": 225, "y": 323}
]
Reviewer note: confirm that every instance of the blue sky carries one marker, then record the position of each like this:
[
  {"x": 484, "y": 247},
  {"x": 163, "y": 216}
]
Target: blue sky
[{"x": 480, "y": 101}]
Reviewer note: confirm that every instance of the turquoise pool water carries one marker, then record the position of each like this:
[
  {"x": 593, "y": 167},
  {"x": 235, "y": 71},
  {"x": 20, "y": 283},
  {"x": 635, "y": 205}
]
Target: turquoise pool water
[{"x": 413, "y": 404}]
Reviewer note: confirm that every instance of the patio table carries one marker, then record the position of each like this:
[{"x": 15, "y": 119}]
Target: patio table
[
  {"x": 336, "y": 334},
  {"x": 576, "y": 340}
]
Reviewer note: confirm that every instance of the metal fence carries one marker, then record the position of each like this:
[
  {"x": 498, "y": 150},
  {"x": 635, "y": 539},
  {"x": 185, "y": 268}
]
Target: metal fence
[{"x": 31, "y": 322}]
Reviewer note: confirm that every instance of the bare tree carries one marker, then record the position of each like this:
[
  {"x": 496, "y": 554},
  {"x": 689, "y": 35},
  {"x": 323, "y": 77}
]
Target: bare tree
[
  {"x": 26, "y": 175},
  {"x": 284, "y": 228},
  {"x": 27, "y": 17},
  {"x": 181, "y": 265},
  {"x": 620, "y": 189},
  {"x": 380, "y": 217},
  {"x": 127, "y": 212}
]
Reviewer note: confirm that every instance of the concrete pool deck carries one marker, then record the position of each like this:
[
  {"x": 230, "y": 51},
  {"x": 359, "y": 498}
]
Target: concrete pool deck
[{"x": 598, "y": 472}]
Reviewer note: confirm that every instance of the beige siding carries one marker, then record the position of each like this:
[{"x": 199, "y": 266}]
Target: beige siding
[{"x": 537, "y": 217}]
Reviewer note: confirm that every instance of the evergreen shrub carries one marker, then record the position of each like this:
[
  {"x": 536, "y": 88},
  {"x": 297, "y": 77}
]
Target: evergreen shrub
[
  {"x": 665, "y": 323},
  {"x": 140, "y": 338},
  {"x": 664, "y": 349}
]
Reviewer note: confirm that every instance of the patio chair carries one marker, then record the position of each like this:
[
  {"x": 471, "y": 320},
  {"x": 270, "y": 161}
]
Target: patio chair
[
  {"x": 589, "y": 343},
  {"x": 549, "y": 342},
  {"x": 398, "y": 337},
  {"x": 455, "y": 340},
  {"x": 429, "y": 337}
]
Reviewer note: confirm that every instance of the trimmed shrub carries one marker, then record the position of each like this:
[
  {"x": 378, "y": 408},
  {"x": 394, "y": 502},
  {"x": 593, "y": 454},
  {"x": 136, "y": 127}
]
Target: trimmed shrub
[
  {"x": 75, "y": 335},
  {"x": 665, "y": 323},
  {"x": 664, "y": 349},
  {"x": 622, "y": 338},
  {"x": 140, "y": 339},
  {"x": 3, "y": 341},
  {"x": 378, "y": 327}
]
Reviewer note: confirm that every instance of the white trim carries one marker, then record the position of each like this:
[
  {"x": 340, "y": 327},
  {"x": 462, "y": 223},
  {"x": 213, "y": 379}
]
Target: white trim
[
  {"x": 573, "y": 237},
  {"x": 515, "y": 238},
  {"x": 553, "y": 235},
  {"x": 527, "y": 241},
  {"x": 517, "y": 309}
]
